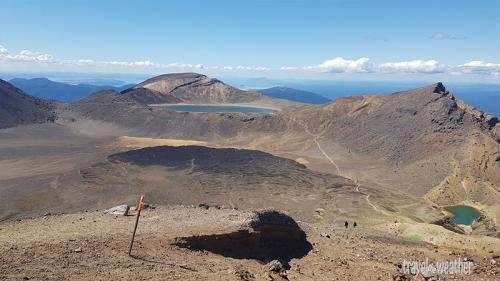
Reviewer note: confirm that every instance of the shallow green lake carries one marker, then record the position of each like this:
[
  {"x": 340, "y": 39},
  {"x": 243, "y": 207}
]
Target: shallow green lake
[
  {"x": 215, "y": 108},
  {"x": 462, "y": 214}
]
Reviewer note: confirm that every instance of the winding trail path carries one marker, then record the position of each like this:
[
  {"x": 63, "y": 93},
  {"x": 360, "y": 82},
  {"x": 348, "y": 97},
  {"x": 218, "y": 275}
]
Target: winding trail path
[
  {"x": 367, "y": 196},
  {"x": 315, "y": 139}
]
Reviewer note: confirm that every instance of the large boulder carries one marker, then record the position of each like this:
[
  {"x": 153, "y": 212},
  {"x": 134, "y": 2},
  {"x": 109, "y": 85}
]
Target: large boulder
[
  {"x": 274, "y": 225},
  {"x": 266, "y": 235}
]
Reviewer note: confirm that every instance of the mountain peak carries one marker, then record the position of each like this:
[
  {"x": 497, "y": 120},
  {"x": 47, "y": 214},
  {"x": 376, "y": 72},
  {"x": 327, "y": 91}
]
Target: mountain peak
[
  {"x": 187, "y": 87},
  {"x": 173, "y": 78},
  {"x": 429, "y": 92},
  {"x": 439, "y": 88},
  {"x": 436, "y": 88}
]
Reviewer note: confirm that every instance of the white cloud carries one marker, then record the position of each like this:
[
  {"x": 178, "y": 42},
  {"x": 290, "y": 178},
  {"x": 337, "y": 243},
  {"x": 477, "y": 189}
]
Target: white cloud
[
  {"x": 287, "y": 68},
  {"x": 252, "y": 68},
  {"x": 242, "y": 68},
  {"x": 146, "y": 63},
  {"x": 179, "y": 65},
  {"x": 28, "y": 59},
  {"x": 90, "y": 62},
  {"x": 443, "y": 36},
  {"x": 339, "y": 65},
  {"x": 479, "y": 67},
  {"x": 3, "y": 51},
  {"x": 261, "y": 68},
  {"x": 414, "y": 66},
  {"x": 25, "y": 56}
]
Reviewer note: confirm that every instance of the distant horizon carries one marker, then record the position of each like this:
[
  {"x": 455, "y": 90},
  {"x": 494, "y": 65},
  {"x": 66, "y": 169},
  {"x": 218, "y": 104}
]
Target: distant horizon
[
  {"x": 57, "y": 75},
  {"x": 483, "y": 96}
]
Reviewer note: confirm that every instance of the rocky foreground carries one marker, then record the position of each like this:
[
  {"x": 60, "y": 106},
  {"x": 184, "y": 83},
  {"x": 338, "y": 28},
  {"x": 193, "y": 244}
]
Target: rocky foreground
[{"x": 193, "y": 243}]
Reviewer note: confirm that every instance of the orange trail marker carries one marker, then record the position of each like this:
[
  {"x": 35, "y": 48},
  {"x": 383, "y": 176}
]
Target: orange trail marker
[
  {"x": 139, "y": 208},
  {"x": 140, "y": 203}
]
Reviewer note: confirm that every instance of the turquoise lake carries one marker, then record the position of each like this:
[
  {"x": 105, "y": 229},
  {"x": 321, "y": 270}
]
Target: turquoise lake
[
  {"x": 463, "y": 214},
  {"x": 215, "y": 108}
]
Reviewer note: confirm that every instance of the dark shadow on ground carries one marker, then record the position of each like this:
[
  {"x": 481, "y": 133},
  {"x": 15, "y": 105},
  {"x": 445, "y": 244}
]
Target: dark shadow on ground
[{"x": 264, "y": 245}]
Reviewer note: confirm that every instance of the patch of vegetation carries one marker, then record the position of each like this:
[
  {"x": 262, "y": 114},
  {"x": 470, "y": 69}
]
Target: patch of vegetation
[{"x": 416, "y": 237}]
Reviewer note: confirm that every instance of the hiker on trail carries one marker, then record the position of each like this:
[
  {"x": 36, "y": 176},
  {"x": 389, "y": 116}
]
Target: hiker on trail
[
  {"x": 346, "y": 224},
  {"x": 355, "y": 224}
]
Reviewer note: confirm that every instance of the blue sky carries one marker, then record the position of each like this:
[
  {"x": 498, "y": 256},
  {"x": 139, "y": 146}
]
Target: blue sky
[{"x": 353, "y": 40}]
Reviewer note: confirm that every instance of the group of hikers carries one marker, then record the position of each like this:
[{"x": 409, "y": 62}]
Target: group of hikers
[{"x": 346, "y": 224}]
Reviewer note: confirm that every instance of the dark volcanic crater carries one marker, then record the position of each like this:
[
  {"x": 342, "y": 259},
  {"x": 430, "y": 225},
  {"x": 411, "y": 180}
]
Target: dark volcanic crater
[
  {"x": 210, "y": 160},
  {"x": 191, "y": 175},
  {"x": 248, "y": 166}
]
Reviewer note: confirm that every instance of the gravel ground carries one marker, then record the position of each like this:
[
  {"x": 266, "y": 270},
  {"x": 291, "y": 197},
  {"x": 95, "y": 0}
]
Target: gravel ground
[{"x": 93, "y": 246}]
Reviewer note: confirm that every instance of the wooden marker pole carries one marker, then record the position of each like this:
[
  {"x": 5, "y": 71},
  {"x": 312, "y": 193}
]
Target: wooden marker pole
[{"x": 139, "y": 208}]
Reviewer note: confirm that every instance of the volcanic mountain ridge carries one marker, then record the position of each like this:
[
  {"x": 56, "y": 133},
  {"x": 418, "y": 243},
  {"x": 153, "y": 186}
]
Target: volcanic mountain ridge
[
  {"x": 195, "y": 88},
  {"x": 18, "y": 108}
]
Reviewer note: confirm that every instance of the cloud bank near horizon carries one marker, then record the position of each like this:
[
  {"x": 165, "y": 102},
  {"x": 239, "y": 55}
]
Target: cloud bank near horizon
[{"x": 361, "y": 65}]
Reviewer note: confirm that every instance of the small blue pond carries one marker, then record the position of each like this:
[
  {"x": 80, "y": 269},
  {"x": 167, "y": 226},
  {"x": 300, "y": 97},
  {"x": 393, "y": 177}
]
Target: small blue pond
[
  {"x": 215, "y": 108},
  {"x": 462, "y": 214}
]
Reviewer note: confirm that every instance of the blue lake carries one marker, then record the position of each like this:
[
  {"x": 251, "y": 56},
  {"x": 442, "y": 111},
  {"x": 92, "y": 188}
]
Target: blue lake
[
  {"x": 463, "y": 214},
  {"x": 215, "y": 108}
]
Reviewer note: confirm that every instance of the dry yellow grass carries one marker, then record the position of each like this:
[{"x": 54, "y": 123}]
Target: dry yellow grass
[
  {"x": 302, "y": 160},
  {"x": 135, "y": 142}
]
